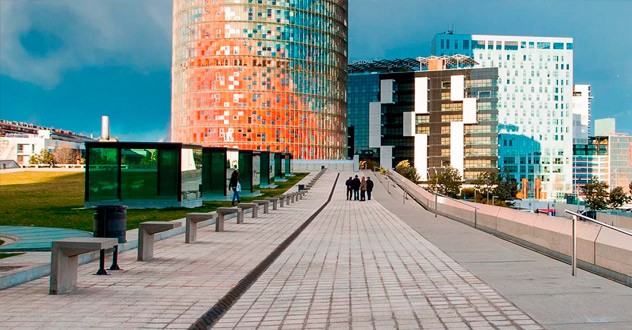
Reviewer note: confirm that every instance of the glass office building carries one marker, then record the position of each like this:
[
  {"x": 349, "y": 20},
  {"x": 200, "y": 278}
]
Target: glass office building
[
  {"x": 261, "y": 75},
  {"x": 604, "y": 158},
  {"x": 442, "y": 115},
  {"x": 535, "y": 94}
]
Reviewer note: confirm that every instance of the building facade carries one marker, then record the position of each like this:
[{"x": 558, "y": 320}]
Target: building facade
[
  {"x": 604, "y": 158},
  {"x": 535, "y": 94},
  {"x": 442, "y": 116},
  {"x": 581, "y": 113},
  {"x": 266, "y": 76},
  {"x": 605, "y": 126}
]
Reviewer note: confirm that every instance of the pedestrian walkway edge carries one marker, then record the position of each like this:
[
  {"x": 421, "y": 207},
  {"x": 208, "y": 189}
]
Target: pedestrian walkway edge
[{"x": 213, "y": 315}]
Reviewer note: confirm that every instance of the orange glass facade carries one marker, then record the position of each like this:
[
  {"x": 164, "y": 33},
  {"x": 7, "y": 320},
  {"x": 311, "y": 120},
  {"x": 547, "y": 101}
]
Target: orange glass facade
[{"x": 261, "y": 75}]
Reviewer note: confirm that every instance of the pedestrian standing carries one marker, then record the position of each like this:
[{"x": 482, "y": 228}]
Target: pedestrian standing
[
  {"x": 369, "y": 188},
  {"x": 349, "y": 184},
  {"x": 235, "y": 186},
  {"x": 363, "y": 189},
  {"x": 356, "y": 188}
]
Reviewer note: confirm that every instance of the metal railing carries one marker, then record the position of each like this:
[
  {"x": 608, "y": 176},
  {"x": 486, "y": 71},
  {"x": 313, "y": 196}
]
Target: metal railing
[
  {"x": 577, "y": 215},
  {"x": 458, "y": 201}
]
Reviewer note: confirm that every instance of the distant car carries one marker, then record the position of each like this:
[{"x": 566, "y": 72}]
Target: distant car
[{"x": 589, "y": 213}]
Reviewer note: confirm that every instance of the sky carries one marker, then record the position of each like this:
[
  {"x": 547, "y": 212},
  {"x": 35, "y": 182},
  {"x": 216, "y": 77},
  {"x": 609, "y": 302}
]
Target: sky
[{"x": 66, "y": 63}]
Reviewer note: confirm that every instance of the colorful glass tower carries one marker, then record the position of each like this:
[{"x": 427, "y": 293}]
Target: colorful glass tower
[{"x": 261, "y": 75}]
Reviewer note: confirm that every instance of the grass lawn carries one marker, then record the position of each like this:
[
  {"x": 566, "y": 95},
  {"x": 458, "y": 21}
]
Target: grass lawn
[{"x": 55, "y": 199}]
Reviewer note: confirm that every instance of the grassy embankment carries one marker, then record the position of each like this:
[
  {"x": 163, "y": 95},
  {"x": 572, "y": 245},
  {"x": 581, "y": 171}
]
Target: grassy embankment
[{"x": 56, "y": 199}]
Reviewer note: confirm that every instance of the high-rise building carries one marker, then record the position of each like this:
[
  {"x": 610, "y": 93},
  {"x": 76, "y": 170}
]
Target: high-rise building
[
  {"x": 443, "y": 115},
  {"x": 535, "y": 93},
  {"x": 581, "y": 113},
  {"x": 256, "y": 75}
]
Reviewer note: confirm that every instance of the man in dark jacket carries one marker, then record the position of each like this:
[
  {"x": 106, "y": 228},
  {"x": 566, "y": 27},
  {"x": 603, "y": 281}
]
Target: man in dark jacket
[
  {"x": 349, "y": 184},
  {"x": 369, "y": 188},
  {"x": 356, "y": 188}
]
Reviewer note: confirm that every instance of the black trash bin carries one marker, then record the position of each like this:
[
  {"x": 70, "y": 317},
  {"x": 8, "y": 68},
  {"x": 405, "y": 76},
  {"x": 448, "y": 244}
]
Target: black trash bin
[
  {"x": 110, "y": 221},
  {"x": 301, "y": 187}
]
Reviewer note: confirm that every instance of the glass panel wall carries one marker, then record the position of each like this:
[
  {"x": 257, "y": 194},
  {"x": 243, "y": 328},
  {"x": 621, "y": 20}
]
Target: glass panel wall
[
  {"x": 102, "y": 174},
  {"x": 191, "y": 160},
  {"x": 139, "y": 169}
]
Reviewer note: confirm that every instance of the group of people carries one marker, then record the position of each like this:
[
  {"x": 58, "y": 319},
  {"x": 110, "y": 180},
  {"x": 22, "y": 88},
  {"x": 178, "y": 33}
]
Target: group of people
[{"x": 359, "y": 189}]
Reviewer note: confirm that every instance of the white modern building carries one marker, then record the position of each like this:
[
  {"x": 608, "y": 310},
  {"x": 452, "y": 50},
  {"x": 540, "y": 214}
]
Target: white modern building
[
  {"x": 581, "y": 113},
  {"x": 20, "y": 147},
  {"x": 535, "y": 95}
]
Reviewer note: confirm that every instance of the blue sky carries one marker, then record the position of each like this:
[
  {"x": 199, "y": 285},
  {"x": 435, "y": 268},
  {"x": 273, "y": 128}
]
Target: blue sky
[{"x": 65, "y": 63}]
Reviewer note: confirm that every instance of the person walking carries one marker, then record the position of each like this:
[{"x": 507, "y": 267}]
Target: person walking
[
  {"x": 235, "y": 186},
  {"x": 356, "y": 188},
  {"x": 363, "y": 189},
  {"x": 369, "y": 188}
]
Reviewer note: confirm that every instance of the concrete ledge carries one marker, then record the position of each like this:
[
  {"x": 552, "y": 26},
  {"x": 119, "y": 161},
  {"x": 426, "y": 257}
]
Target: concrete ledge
[
  {"x": 64, "y": 260},
  {"x": 191, "y": 226},
  {"x": 221, "y": 214},
  {"x": 146, "y": 231},
  {"x": 266, "y": 205},
  {"x": 274, "y": 201},
  {"x": 249, "y": 206}
]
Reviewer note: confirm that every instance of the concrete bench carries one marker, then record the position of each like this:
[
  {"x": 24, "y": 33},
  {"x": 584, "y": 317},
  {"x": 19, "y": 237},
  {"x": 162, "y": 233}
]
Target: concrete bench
[
  {"x": 274, "y": 201},
  {"x": 281, "y": 200},
  {"x": 266, "y": 205},
  {"x": 223, "y": 211},
  {"x": 65, "y": 259},
  {"x": 191, "y": 222},
  {"x": 246, "y": 206},
  {"x": 146, "y": 232}
]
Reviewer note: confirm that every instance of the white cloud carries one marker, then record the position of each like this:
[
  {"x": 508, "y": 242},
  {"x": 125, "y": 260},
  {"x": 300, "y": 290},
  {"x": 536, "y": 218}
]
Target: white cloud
[{"x": 89, "y": 32}]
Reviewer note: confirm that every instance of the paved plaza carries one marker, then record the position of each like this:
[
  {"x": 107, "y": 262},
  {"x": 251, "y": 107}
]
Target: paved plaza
[{"x": 379, "y": 264}]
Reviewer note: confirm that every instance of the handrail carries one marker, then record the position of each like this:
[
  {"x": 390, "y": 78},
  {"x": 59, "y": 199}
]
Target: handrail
[
  {"x": 599, "y": 222},
  {"x": 577, "y": 215}
]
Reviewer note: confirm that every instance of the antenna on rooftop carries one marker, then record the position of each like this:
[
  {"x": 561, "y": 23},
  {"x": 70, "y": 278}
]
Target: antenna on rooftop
[{"x": 451, "y": 29}]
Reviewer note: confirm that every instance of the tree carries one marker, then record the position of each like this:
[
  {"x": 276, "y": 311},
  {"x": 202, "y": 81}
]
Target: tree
[
  {"x": 446, "y": 182},
  {"x": 507, "y": 187},
  {"x": 596, "y": 194},
  {"x": 66, "y": 155},
  {"x": 618, "y": 197},
  {"x": 407, "y": 171},
  {"x": 44, "y": 157},
  {"x": 484, "y": 183}
]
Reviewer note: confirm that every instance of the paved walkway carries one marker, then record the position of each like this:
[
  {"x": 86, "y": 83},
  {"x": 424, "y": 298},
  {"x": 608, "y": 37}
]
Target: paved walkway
[{"x": 357, "y": 265}]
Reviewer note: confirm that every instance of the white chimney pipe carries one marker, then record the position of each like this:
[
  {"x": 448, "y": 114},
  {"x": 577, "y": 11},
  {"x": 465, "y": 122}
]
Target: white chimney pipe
[{"x": 105, "y": 128}]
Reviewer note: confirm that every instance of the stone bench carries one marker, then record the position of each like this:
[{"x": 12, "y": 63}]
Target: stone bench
[
  {"x": 191, "y": 222},
  {"x": 282, "y": 199},
  {"x": 146, "y": 232},
  {"x": 65, "y": 259},
  {"x": 274, "y": 201},
  {"x": 246, "y": 206},
  {"x": 265, "y": 204},
  {"x": 223, "y": 211}
]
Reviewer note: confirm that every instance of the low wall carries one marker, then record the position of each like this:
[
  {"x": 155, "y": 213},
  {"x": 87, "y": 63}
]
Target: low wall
[{"x": 599, "y": 249}]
